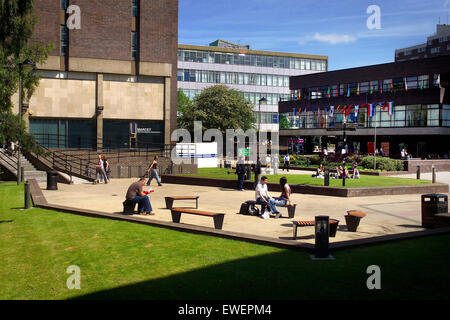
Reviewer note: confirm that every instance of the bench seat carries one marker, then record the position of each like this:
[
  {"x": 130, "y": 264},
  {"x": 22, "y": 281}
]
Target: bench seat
[
  {"x": 217, "y": 217},
  {"x": 170, "y": 200},
  {"x": 296, "y": 224},
  {"x": 290, "y": 209}
]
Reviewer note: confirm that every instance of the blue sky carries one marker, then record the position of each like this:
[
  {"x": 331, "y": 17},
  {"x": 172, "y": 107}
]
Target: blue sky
[{"x": 336, "y": 28}]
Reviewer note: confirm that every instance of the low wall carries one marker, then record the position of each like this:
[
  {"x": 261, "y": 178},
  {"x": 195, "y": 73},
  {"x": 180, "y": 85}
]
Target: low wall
[
  {"x": 426, "y": 165},
  {"x": 316, "y": 190},
  {"x": 361, "y": 172},
  {"x": 136, "y": 170}
]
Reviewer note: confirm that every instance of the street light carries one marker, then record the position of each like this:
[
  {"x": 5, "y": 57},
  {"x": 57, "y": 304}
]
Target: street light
[
  {"x": 26, "y": 63},
  {"x": 344, "y": 148},
  {"x": 262, "y": 101}
]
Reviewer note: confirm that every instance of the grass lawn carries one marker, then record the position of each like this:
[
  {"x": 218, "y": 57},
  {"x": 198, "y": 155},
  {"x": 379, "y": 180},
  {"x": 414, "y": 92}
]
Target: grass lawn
[
  {"x": 123, "y": 260},
  {"x": 364, "y": 181}
]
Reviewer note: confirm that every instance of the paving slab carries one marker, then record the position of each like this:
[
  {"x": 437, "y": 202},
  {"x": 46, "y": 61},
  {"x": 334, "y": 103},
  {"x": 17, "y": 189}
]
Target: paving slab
[{"x": 386, "y": 215}]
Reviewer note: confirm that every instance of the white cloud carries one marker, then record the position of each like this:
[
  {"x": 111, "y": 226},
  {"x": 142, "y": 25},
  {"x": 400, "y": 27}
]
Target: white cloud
[{"x": 331, "y": 38}]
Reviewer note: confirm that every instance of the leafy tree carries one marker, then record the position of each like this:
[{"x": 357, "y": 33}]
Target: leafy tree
[
  {"x": 218, "y": 107},
  {"x": 17, "y": 23},
  {"x": 284, "y": 123}
]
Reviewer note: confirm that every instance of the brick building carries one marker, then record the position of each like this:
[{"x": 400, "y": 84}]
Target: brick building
[{"x": 113, "y": 77}]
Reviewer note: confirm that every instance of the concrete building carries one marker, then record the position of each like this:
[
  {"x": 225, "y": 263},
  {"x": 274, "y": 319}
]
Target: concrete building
[
  {"x": 111, "y": 83},
  {"x": 257, "y": 74},
  {"x": 436, "y": 45},
  {"x": 419, "y": 116}
]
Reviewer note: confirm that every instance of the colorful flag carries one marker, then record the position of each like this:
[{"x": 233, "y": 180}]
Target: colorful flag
[
  {"x": 356, "y": 111},
  {"x": 329, "y": 92},
  {"x": 295, "y": 112},
  {"x": 331, "y": 111},
  {"x": 390, "y": 108},
  {"x": 348, "y": 110},
  {"x": 371, "y": 110},
  {"x": 304, "y": 110},
  {"x": 320, "y": 112},
  {"x": 348, "y": 91},
  {"x": 392, "y": 84},
  {"x": 357, "y": 90},
  {"x": 439, "y": 81},
  {"x": 299, "y": 94},
  {"x": 371, "y": 87},
  {"x": 384, "y": 106},
  {"x": 381, "y": 86},
  {"x": 343, "y": 109},
  {"x": 406, "y": 85},
  {"x": 338, "y": 107}
]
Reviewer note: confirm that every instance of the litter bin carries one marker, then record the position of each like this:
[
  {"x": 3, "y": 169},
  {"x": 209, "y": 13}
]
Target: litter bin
[
  {"x": 52, "y": 183},
  {"x": 432, "y": 204}
]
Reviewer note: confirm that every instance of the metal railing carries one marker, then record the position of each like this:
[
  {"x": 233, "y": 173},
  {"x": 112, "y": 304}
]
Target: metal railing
[{"x": 9, "y": 160}]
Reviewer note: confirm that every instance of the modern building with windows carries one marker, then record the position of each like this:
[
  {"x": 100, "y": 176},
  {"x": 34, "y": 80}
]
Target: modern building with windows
[
  {"x": 257, "y": 74},
  {"x": 410, "y": 101},
  {"x": 111, "y": 83},
  {"x": 436, "y": 45}
]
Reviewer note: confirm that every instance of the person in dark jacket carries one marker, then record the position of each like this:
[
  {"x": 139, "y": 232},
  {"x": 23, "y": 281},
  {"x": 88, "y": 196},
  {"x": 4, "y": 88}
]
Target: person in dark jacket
[{"x": 240, "y": 171}]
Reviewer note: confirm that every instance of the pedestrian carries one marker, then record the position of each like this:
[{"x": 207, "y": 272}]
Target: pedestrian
[
  {"x": 106, "y": 167},
  {"x": 152, "y": 169},
  {"x": 136, "y": 194},
  {"x": 287, "y": 160},
  {"x": 262, "y": 197},
  {"x": 100, "y": 170},
  {"x": 240, "y": 171}
]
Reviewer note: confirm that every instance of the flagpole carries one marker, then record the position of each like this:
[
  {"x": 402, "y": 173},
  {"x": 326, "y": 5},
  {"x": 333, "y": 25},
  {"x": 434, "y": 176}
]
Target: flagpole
[{"x": 375, "y": 141}]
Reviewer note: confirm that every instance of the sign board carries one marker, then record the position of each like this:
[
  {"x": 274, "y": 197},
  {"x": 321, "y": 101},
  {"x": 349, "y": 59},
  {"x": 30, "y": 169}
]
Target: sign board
[
  {"x": 385, "y": 146},
  {"x": 244, "y": 152}
]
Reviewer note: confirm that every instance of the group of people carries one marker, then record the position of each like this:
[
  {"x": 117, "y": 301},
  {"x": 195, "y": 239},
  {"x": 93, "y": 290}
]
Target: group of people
[
  {"x": 102, "y": 169},
  {"x": 263, "y": 198},
  {"x": 341, "y": 172}
]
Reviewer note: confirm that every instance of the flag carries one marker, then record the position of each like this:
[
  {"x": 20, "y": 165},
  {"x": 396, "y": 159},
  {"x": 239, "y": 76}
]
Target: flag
[
  {"x": 371, "y": 87},
  {"x": 304, "y": 110},
  {"x": 421, "y": 84},
  {"x": 295, "y": 112},
  {"x": 392, "y": 84},
  {"x": 384, "y": 106},
  {"x": 371, "y": 110},
  {"x": 439, "y": 81},
  {"x": 331, "y": 111},
  {"x": 320, "y": 112},
  {"x": 299, "y": 94},
  {"x": 343, "y": 110},
  {"x": 381, "y": 86},
  {"x": 356, "y": 111},
  {"x": 348, "y": 110},
  {"x": 348, "y": 91},
  {"x": 406, "y": 85},
  {"x": 325, "y": 110},
  {"x": 390, "y": 108},
  {"x": 329, "y": 92},
  {"x": 357, "y": 90},
  {"x": 338, "y": 107},
  {"x": 313, "y": 110}
]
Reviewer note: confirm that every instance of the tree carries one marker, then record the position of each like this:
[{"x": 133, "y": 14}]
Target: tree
[
  {"x": 284, "y": 123},
  {"x": 218, "y": 107},
  {"x": 17, "y": 23}
]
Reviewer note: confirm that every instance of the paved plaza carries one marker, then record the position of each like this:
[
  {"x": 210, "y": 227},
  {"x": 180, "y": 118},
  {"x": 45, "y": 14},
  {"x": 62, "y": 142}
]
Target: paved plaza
[{"x": 385, "y": 214}]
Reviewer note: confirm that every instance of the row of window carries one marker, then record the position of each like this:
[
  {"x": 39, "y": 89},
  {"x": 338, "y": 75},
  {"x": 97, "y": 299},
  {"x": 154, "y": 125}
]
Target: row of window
[
  {"x": 272, "y": 98},
  {"x": 223, "y": 77},
  {"x": 252, "y": 60},
  {"x": 352, "y": 89},
  {"x": 403, "y": 116}
]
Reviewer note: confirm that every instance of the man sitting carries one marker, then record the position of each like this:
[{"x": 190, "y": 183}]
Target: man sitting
[
  {"x": 263, "y": 198},
  {"x": 135, "y": 194}
]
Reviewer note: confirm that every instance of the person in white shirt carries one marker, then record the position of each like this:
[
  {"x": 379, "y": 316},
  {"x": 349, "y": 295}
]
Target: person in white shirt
[
  {"x": 100, "y": 170},
  {"x": 262, "y": 197},
  {"x": 287, "y": 160}
]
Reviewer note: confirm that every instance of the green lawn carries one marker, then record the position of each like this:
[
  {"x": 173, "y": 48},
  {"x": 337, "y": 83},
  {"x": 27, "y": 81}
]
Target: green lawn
[
  {"x": 131, "y": 261},
  {"x": 364, "y": 181}
]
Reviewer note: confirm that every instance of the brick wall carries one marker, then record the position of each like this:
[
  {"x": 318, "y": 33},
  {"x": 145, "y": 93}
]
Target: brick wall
[{"x": 47, "y": 29}]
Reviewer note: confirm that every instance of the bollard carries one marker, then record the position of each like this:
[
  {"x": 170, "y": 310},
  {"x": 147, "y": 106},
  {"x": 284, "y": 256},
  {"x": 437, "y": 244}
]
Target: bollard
[
  {"x": 27, "y": 195},
  {"x": 322, "y": 235},
  {"x": 326, "y": 178},
  {"x": 418, "y": 172},
  {"x": 22, "y": 174},
  {"x": 433, "y": 177}
]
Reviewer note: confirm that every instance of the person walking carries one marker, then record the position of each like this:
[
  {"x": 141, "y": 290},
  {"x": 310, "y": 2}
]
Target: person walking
[
  {"x": 240, "y": 171},
  {"x": 100, "y": 170},
  {"x": 106, "y": 167},
  {"x": 152, "y": 169},
  {"x": 287, "y": 160}
]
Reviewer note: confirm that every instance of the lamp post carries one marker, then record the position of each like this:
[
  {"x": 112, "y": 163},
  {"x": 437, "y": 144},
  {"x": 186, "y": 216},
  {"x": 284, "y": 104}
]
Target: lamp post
[
  {"x": 262, "y": 101},
  {"x": 25, "y": 63},
  {"x": 344, "y": 121}
]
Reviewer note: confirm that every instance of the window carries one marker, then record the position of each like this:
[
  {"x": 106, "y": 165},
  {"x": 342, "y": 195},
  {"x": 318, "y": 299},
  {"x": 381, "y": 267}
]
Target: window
[
  {"x": 134, "y": 41},
  {"x": 135, "y": 8},
  {"x": 435, "y": 50},
  {"x": 64, "y": 34},
  {"x": 64, "y": 4},
  {"x": 421, "y": 49}
]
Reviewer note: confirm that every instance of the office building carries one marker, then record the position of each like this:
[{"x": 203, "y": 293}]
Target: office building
[
  {"x": 111, "y": 83},
  {"x": 257, "y": 74},
  {"x": 410, "y": 101}
]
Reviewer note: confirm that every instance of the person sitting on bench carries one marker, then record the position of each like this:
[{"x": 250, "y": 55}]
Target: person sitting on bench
[
  {"x": 263, "y": 198},
  {"x": 136, "y": 194},
  {"x": 284, "y": 199}
]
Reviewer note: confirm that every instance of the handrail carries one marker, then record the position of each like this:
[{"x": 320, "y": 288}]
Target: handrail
[{"x": 10, "y": 160}]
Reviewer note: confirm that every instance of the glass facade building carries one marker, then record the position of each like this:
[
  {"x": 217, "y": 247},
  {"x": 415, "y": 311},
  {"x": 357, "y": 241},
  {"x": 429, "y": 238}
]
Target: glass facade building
[{"x": 257, "y": 74}]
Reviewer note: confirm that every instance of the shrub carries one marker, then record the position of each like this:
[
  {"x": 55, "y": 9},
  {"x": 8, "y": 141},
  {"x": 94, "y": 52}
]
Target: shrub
[{"x": 383, "y": 164}]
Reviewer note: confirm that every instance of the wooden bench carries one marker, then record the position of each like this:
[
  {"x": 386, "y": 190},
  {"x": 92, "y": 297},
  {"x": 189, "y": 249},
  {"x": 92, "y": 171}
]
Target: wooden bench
[
  {"x": 290, "y": 209},
  {"x": 217, "y": 217},
  {"x": 170, "y": 200},
  {"x": 296, "y": 224},
  {"x": 353, "y": 218}
]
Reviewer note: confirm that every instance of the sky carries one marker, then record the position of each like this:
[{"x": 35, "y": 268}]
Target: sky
[{"x": 334, "y": 28}]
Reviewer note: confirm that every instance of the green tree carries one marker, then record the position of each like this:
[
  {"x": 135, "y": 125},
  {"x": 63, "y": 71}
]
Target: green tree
[
  {"x": 17, "y": 23},
  {"x": 218, "y": 107},
  {"x": 284, "y": 123}
]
